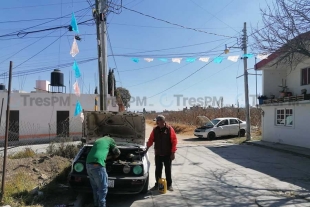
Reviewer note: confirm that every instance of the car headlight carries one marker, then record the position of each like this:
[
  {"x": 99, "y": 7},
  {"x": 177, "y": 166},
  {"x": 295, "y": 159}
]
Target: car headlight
[
  {"x": 137, "y": 170},
  {"x": 78, "y": 167},
  {"x": 126, "y": 169}
]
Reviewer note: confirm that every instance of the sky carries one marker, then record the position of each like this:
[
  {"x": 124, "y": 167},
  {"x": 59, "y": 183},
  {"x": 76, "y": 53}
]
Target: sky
[{"x": 155, "y": 85}]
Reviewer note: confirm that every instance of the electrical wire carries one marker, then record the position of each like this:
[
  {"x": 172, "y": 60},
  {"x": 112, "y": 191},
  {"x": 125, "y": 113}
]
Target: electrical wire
[
  {"x": 159, "y": 76},
  {"x": 23, "y": 33},
  {"x": 178, "y": 25},
  {"x": 42, "y": 5},
  {"x": 109, "y": 40},
  {"x": 42, "y": 23},
  {"x": 145, "y": 67},
  {"x": 213, "y": 14},
  {"x": 32, "y": 20},
  {"x": 184, "y": 78}
]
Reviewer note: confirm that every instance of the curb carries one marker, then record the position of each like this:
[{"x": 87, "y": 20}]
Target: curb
[{"x": 277, "y": 149}]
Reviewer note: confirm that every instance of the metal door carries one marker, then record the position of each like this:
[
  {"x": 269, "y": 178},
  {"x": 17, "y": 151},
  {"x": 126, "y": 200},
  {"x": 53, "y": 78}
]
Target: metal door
[{"x": 63, "y": 124}]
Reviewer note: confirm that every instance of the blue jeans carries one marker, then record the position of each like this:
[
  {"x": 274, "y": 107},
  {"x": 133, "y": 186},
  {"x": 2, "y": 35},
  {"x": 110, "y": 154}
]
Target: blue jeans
[{"x": 99, "y": 181}]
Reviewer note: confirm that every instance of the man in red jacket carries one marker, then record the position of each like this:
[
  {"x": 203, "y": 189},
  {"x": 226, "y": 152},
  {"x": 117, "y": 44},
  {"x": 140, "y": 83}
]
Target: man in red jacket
[{"x": 165, "y": 147}]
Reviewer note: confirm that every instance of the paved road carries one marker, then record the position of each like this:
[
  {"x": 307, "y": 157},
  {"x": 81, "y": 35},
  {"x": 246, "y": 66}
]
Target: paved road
[
  {"x": 216, "y": 173},
  {"x": 220, "y": 174}
]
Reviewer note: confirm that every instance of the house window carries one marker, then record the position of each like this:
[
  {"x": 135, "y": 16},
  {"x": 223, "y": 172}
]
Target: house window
[
  {"x": 305, "y": 76},
  {"x": 284, "y": 117}
]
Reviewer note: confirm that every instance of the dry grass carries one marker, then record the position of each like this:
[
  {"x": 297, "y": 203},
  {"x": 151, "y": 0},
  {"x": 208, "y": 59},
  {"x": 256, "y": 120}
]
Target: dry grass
[
  {"x": 28, "y": 152},
  {"x": 63, "y": 150},
  {"x": 190, "y": 117},
  {"x": 241, "y": 140},
  {"x": 179, "y": 128},
  {"x": 17, "y": 189}
]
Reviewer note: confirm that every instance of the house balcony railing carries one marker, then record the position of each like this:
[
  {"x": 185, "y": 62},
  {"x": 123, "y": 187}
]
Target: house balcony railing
[{"x": 287, "y": 99}]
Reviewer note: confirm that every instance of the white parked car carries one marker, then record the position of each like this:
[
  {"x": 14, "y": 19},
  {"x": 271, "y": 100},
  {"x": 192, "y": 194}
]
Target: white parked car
[{"x": 227, "y": 126}]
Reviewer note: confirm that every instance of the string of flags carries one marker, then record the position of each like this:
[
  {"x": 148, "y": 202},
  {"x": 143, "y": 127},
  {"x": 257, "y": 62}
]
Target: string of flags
[
  {"x": 73, "y": 52},
  {"x": 218, "y": 60}
]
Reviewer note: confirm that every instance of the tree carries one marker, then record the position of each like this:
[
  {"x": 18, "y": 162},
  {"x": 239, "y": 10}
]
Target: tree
[
  {"x": 125, "y": 96},
  {"x": 285, "y": 32}
]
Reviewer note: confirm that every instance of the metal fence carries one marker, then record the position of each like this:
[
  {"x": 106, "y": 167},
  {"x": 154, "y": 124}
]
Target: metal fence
[{"x": 30, "y": 141}]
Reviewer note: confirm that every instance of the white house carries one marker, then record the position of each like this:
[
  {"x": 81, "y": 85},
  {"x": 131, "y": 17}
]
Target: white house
[
  {"x": 41, "y": 115},
  {"x": 285, "y": 116}
]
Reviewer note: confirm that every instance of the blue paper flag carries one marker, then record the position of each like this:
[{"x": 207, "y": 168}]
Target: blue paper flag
[
  {"x": 74, "y": 23},
  {"x": 248, "y": 55},
  {"x": 136, "y": 60},
  {"x": 163, "y": 59},
  {"x": 190, "y": 60},
  {"x": 78, "y": 108},
  {"x": 218, "y": 59},
  {"x": 76, "y": 70}
]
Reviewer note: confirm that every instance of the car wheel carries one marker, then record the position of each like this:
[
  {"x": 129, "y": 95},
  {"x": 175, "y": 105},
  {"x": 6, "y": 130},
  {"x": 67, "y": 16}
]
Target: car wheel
[
  {"x": 146, "y": 186},
  {"x": 211, "y": 135},
  {"x": 242, "y": 133}
]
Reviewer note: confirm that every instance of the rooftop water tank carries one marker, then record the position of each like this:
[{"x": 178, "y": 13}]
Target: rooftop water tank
[{"x": 57, "y": 78}]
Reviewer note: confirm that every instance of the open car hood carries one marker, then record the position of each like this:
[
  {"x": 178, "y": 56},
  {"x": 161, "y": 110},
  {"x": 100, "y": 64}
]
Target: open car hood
[
  {"x": 203, "y": 120},
  {"x": 123, "y": 127}
]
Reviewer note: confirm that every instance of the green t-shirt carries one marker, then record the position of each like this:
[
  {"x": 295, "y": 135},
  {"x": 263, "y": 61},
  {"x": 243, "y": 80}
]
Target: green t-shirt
[{"x": 100, "y": 150}]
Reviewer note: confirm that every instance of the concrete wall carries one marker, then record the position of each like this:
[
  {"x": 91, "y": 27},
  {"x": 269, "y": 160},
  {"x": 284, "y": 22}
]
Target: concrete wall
[
  {"x": 294, "y": 78},
  {"x": 37, "y": 112},
  {"x": 298, "y": 135},
  {"x": 272, "y": 79}
]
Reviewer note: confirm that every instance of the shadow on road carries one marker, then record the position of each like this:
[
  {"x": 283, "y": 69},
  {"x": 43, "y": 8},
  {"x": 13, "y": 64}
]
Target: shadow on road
[
  {"x": 119, "y": 200},
  {"x": 282, "y": 166}
]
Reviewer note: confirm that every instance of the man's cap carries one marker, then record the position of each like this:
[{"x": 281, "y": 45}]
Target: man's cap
[{"x": 160, "y": 118}]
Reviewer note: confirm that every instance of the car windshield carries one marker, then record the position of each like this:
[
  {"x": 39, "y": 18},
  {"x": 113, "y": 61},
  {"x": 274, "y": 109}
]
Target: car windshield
[{"x": 212, "y": 122}]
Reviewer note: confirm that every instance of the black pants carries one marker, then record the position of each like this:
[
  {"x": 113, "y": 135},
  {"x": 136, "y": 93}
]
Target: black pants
[{"x": 159, "y": 161}]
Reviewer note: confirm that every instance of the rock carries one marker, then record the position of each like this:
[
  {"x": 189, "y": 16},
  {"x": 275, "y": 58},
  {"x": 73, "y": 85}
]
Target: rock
[
  {"x": 6, "y": 206},
  {"x": 43, "y": 177},
  {"x": 36, "y": 170}
]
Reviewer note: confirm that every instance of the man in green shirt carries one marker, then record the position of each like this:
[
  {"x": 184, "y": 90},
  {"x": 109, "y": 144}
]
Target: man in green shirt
[{"x": 96, "y": 167}]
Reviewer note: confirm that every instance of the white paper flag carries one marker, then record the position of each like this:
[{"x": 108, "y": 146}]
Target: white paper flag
[
  {"x": 204, "y": 59},
  {"x": 74, "y": 49},
  {"x": 262, "y": 56},
  {"x": 82, "y": 117},
  {"x": 76, "y": 88},
  {"x": 148, "y": 59},
  {"x": 233, "y": 58},
  {"x": 176, "y": 60}
]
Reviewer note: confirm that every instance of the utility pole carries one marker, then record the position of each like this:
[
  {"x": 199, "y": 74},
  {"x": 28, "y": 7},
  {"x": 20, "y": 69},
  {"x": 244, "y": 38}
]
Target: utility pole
[
  {"x": 6, "y": 138},
  {"x": 246, "y": 86},
  {"x": 101, "y": 26}
]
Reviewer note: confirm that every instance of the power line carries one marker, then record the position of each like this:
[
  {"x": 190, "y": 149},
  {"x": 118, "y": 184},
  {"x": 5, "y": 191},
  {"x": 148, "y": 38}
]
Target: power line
[
  {"x": 178, "y": 25},
  {"x": 45, "y": 69},
  {"x": 213, "y": 14},
  {"x": 114, "y": 57},
  {"x": 43, "y": 23},
  {"x": 161, "y": 27},
  {"x": 171, "y": 48},
  {"x": 197, "y": 82},
  {"x": 159, "y": 76},
  {"x": 32, "y": 20},
  {"x": 23, "y": 34},
  {"x": 184, "y": 78},
  {"x": 144, "y": 67},
  {"x": 42, "y": 5}
]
